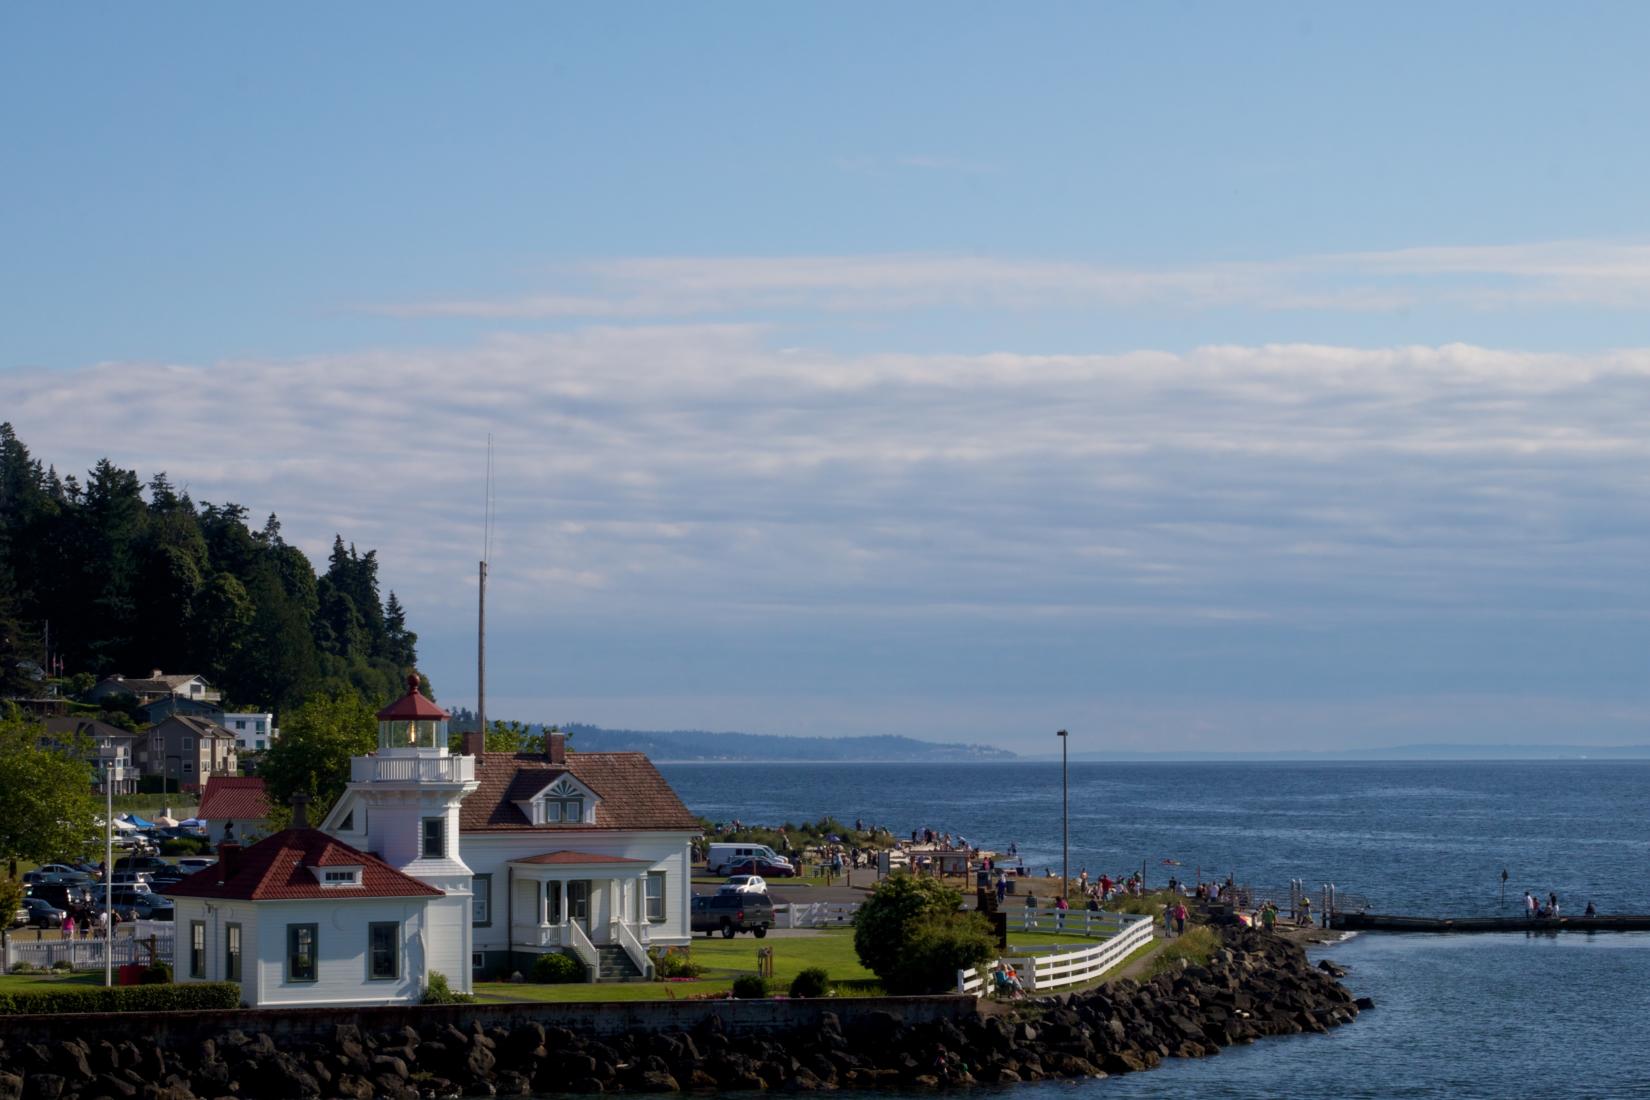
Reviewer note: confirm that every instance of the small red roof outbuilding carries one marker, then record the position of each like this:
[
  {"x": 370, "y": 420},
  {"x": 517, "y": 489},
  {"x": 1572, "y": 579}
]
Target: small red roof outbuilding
[{"x": 234, "y": 798}]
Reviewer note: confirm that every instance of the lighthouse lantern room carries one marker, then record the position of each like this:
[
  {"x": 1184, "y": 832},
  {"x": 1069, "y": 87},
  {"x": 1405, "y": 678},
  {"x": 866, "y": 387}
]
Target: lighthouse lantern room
[{"x": 412, "y": 725}]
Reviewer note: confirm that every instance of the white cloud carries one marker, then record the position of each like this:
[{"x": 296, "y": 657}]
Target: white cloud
[
  {"x": 698, "y": 474},
  {"x": 1612, "y": 275}
]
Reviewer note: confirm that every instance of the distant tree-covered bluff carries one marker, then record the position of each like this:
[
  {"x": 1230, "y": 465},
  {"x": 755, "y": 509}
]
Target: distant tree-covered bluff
[{"x": 134, "y": 577}]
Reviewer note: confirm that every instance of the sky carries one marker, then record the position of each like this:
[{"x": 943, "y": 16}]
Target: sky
[{"x": 1190, "y": 376}]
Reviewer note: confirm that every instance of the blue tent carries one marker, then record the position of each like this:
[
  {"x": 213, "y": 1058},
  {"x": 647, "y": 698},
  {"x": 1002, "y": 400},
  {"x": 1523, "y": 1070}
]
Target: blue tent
[{"x": 139, "y": 822}]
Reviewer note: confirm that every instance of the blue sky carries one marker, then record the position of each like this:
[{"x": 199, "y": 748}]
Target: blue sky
[{"x": 1198, "y": 377}]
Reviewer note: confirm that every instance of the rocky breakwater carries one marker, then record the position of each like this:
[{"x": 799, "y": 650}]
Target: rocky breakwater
[{"x": 1256, "y": 985}]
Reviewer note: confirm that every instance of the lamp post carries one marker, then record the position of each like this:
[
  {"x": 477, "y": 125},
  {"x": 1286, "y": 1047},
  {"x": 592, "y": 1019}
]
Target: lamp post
[
  {"x": 1065, "y": 821},
  {"x": 112, "y": 773}
]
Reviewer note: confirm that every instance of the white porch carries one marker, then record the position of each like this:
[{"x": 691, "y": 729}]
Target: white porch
[{"x": 582, "y": 903}]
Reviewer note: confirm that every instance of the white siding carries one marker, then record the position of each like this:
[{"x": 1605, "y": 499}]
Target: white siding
[
  {"x": 341, "y": 941},
  {"x": 216, "y": 915},
  {"x": 490, "y": 853}
]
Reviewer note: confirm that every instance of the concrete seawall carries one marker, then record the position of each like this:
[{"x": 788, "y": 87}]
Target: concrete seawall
[{"x": 605, "y": 1018}]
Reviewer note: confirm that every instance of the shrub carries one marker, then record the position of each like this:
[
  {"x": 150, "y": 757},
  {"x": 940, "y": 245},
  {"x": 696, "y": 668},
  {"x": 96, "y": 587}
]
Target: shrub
[
  {"x": 748, "y": 987},
  {"x": 438, "y": 992},
  {"x": 556, "y": 969},
  {"x": 1193, "y": 948},
  {"x": 22, "y": 967},
  {"x": 62, "y": 964},
  {"x": 123, "y": 998},
  {"x": 912, "y": 934},
  {"x": 812, "y": 982},
  {"x": 156, "y": 973},
  {"x": 184, "y": 846},
  {"x": 674, "y": 964}
]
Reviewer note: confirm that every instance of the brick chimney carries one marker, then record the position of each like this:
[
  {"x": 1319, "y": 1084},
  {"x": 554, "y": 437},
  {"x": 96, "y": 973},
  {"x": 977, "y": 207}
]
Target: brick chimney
[
  {"x": 229, "y": 860},
  {"x": 475, "y": 742},
  {"x": 555, "y": 746},
  {"x": 300, "y": 813}
]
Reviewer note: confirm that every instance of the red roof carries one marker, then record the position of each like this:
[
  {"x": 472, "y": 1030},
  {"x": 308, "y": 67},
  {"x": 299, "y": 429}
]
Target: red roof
[
  {"x": 412, "y": 705},
  {"x": 277, "y": 868},
  {"x": 233, "y": 798},
  {"x": 630, "y": 793},
  {"x": 575, "y": 857}
]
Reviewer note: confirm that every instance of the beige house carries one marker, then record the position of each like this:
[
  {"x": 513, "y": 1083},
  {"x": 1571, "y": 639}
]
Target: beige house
[{"x": 188, "y": 750}]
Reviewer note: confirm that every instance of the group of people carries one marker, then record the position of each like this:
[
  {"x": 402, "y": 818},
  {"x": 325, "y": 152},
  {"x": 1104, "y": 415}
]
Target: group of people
[
  {"x": 85, "y": 923},
  {"x": 1535, "y": 909}
]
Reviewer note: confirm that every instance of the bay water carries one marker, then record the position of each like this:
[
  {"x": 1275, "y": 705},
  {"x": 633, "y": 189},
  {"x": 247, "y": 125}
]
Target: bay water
[{"x": 1481, "y": 1015}]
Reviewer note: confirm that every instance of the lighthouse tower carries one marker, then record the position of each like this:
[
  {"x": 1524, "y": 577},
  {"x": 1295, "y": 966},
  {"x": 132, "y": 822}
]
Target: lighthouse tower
[{"x": 402, "y": 805}]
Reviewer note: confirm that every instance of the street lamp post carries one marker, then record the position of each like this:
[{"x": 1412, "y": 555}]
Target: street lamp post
[
  {"x": 112, "y": 773},
  {"x": 1065, "y": 822}
]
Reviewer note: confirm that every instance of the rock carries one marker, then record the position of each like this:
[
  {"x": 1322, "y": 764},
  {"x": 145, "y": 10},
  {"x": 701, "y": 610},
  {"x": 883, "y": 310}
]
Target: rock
[
  {"x": 11, "y": 1086},
  {"x": 43, "y": 1086},
  {"x": 1364, "y": 1004},
  {"x": 107, "y": 1084}
]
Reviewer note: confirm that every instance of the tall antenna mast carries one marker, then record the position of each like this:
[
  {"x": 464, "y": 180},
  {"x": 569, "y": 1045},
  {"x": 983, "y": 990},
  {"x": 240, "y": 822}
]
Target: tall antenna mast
[{"x": 479, "y": 744}]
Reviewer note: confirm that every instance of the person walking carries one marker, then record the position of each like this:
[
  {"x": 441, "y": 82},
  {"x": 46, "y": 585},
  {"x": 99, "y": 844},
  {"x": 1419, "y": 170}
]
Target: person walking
[
  {"x": 1179, "y": 918},
  {"x": 1168, "y": 921},
  {"x": 1031, "y": 911}
]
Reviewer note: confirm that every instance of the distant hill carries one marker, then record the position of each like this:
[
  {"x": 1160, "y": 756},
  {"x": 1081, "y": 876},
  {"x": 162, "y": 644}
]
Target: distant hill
[
  {"x": 1393, "y": 753},
  {"x": 690, "y": 745}
]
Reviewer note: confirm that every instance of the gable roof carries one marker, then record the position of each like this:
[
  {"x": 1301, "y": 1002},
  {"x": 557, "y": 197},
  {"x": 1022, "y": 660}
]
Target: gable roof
[
  {"x": 91, "y": 727},
  {"x": 201, "y": 727},
  {"x": 151, "y": 685},
  {"x": 234, "y": 798},
  {"x": 630, "y": 792},
  {"x": 277, "y": 869}
]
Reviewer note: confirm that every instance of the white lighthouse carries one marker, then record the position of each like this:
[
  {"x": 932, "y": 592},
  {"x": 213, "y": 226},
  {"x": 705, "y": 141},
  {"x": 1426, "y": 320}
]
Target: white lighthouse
[{"x": 402, "y": 805}]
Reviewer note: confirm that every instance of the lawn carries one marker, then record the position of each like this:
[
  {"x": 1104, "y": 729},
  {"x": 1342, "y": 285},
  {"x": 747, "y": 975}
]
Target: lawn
[
  {"x": 19, "y": 983},
  {"x": 831, "y": 949}
]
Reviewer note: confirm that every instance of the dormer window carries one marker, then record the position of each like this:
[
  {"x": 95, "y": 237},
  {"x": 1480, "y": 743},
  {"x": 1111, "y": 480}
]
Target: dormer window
[
  {"x": 557, "y": 810},
  {"x": 337, "y": 878}
]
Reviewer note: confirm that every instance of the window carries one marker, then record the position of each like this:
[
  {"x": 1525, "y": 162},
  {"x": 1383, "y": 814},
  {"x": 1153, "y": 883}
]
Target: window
[
  {"x": 552, "y": 902},
  {"x": 655, "y": 896},
  {"x": 258, "y": 726},
  {"x": 188, "y": 743},
  {"x": 197, "y": 949},
  {"x": 481, "y": 901},
  {"x": 478, "y": 961},
  {"x": 260, "y": 745},
  {"x": 300, "y": 952},
  {"x": 435, "y": 837},
  {"x": 339, "y": 878},
  {"x": 383, "y": 951},
  {"x": 188, "y": 766},
  {"x": 552, "y": 811},
  {"x": 231, "y": 952},
  {"x": 572, "y": 809},
  {"x": 240, "y": 724},
  {"x": 345, "y": 826}
]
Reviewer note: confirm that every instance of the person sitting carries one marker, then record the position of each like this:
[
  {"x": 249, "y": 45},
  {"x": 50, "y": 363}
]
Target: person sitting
[{"x": 1590, "y": 911}]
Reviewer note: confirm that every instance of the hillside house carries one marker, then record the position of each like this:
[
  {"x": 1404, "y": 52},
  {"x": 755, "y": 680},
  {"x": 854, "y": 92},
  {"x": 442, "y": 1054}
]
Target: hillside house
[
  {"x": 105, "y": 745},
  {"x": 188, "y": 750}
]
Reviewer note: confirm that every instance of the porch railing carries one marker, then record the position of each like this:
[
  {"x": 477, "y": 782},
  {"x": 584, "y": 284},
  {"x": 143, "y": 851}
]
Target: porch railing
[
  {"x": 619, "y": 932},
  {"x": 582, "y": 947}
]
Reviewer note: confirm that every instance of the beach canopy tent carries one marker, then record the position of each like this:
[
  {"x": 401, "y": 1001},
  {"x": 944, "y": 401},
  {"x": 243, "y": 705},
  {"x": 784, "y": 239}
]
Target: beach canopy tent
[
  {"x": 139, "y": 823},
  {"x": 166, "y": 822},
  {"x": 124, "y": 826}
]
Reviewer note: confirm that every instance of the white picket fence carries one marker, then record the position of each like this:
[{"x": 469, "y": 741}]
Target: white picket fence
[
  {"x": 814, "y": 914},
  {"x": 1040, "y": 973},
  {"x": 87, "y": 954}
]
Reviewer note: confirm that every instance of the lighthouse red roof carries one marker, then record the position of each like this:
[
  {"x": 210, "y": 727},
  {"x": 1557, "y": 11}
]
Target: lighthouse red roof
[{"x": 412, "y": 705}]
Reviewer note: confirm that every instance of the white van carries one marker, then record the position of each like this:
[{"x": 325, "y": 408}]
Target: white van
[{"x": 723, "y": 856}]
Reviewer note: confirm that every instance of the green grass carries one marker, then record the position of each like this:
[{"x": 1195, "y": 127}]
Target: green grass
[
  {"x": 183, "y": 805},
  {"x": 724, "y": 960},
  {"x": 1195, "y": 946},
  {"x": 19, "y": 983}
]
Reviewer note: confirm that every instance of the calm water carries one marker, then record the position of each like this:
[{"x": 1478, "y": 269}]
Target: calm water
[{"x": 1457, "y": 1016}]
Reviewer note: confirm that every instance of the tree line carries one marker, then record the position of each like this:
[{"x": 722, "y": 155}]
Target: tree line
[{"x": 127, "y": 576}]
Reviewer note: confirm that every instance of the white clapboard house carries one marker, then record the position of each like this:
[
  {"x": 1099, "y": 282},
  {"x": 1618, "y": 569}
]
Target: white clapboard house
[{"x": 586, "y": 854}]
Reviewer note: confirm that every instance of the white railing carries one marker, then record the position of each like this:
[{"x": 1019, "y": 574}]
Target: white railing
[
  {"x": 408, "y": 769},
  {"x": 814, "y": 914},
  {"x": 540, "y": 935},
  {"x": 620, "y": 932},
  {"x": 583, "y": 948},
  {"x": 1064, "y": 968}
]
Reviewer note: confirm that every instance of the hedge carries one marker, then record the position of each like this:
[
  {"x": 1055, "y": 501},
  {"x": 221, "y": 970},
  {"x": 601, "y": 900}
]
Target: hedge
[{"x": 122, "y": 998}]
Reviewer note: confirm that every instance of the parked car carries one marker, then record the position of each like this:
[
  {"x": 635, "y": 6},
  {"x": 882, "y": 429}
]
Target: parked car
[
  {"x": 190, "y": 864},
  {"x": 21, "y": 917},
  {"x": 131, "y": 878},
  {"x": 43, "y": 914},
  {"x": 32, "y": 877},
  {"x": 152, "y": 907},
  {"x": 140, "y": 863},
  {"x": 764, "y": 867},
  {"x": 58, "y": 868},
  {"x": 78, "y": 878},
  {"x": 128, "y": 901},
  {"x": 732, "y": 913},
  {"x": 61, "y": 895},
  {"x": 744, "y": 884}
]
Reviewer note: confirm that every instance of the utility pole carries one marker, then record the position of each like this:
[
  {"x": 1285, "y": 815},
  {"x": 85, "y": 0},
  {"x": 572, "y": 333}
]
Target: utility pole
[
  {"x": 481, "y": 659},
  {"x": 1065, "y": 820}
]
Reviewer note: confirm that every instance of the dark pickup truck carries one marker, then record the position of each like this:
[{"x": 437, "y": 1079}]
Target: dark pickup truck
[{"x": 732, "y": 913}]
